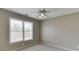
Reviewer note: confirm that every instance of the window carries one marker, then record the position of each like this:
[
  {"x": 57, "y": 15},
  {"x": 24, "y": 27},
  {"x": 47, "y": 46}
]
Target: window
[
  {"x": 20, "y": 30},
  {"x": 28, "y": 30},
  {"x": 16, "y": 30}
]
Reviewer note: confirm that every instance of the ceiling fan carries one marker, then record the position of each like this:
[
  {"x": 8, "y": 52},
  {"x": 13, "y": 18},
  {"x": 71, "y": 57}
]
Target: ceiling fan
[{"x": 42, "y": 13}]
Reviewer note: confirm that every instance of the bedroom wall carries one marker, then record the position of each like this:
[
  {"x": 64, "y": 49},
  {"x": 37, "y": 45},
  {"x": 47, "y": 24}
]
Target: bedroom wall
[
  {"x": 4, "y": 31},
  {"x": 62, "y": 31}
]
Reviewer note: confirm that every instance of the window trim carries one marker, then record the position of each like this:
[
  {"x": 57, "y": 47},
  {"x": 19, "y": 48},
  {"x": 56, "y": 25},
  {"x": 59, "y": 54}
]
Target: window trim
[
  {"x": 32, "y": 31},
  {"x": 22, "y": 41}
]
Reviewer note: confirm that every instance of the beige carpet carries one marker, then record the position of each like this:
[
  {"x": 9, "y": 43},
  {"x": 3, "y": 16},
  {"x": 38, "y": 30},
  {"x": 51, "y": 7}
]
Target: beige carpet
[{"x": 41, "y": 47}]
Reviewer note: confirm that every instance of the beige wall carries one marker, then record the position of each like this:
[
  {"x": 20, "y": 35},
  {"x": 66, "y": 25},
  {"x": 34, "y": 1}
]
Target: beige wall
[
  {"x": 62, "y": 31},
  {"x": 4, "y": 30}
]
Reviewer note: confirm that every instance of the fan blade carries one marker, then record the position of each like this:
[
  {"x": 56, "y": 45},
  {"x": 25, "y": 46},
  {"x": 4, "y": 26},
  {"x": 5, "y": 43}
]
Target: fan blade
[
  {"x": 39, "y": 12},
  {"x": 34, "y": 12}
]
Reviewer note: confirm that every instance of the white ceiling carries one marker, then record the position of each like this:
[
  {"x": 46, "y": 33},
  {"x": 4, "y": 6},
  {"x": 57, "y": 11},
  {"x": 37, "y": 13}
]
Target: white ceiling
[{"x": 55, "y": 12}]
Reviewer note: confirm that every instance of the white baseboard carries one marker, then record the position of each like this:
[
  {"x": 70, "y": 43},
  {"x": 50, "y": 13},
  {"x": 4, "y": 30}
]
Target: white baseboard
[
  {"x": 56, "y": 45},
  {"x": 24, "y": 46}
]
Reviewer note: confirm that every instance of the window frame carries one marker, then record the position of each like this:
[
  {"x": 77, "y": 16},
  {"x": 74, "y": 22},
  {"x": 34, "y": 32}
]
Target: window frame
[
  {"x": 23, "y": 34},
  {"x": 32, "y": 30}
]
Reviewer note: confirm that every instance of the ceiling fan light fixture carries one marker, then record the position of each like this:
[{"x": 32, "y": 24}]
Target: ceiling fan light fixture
[{"x": 42, "y": 15}]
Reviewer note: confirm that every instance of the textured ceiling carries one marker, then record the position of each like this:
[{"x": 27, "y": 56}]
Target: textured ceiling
[{"x": 54, "y": 12}]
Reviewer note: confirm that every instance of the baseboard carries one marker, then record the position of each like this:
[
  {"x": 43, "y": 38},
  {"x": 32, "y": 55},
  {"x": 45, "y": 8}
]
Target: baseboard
[
  {"x": 56, "y": 45},
  {"x": 24, "y": 46}
]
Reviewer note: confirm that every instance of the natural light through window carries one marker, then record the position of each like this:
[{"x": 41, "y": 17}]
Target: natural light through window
[
  {"x": 28, "y": 30},
  {"x": 20, "y": 30}
]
